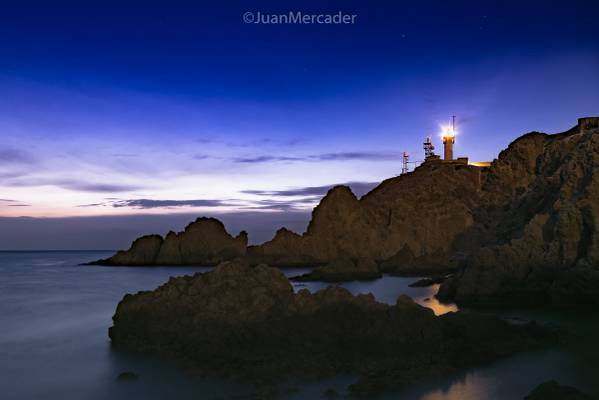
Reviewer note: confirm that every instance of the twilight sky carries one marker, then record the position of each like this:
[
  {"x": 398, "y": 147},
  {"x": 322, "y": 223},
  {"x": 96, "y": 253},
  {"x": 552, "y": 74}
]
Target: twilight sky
[{"x": 112, "y": 112}]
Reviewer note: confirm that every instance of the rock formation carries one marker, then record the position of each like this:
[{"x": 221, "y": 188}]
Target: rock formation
[
  {"x": 523, "y": 231},
  {"x": 246, "y": 322},
  {"x": 536, "y": 235},
  {"x": 551, "y": 390},
  {"x": 408, "y": 223},
  {"x": 343, "y": 269},
  {"x": 203, "y": 242}
]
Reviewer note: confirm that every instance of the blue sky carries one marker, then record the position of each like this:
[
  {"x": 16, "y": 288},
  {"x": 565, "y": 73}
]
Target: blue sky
[{"x": 129, "y": 108}]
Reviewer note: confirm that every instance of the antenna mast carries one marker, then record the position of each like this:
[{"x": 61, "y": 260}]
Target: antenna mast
[
  {"x": 428, "y": 148},
  {"x": 406, "y": 157}
]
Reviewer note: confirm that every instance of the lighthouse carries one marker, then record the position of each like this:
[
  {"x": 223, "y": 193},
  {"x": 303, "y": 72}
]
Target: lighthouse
[{"x": 448, "y": 141}]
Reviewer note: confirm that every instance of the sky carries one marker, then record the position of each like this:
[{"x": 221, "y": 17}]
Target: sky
[{"x": 133, "y": 117}]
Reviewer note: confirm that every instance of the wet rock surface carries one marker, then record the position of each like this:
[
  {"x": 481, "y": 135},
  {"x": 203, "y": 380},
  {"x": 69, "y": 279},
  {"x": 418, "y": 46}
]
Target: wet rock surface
[
  {"x": 247, "y": 323},
  {"x": 552, "y": 390}
]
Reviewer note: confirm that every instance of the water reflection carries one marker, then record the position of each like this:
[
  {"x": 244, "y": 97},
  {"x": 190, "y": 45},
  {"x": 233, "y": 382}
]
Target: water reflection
[
  {"x": 53, "y": 343},
  {"x": 386, "y": 290}
]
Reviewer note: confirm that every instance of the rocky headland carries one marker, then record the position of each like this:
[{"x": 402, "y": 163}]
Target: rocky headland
[
  {"x": 247, "y": 323},
  {"x": 523, "y": 231},
  {"x": 535, "y": 240}
]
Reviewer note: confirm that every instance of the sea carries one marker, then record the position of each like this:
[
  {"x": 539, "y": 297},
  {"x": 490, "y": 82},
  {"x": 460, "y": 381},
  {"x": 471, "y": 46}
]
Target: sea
[{"x": 55, "y": 314}]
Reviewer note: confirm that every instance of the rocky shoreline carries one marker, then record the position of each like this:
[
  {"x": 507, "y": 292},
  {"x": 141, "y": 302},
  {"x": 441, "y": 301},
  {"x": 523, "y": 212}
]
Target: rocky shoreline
[
  {"x": 247, "y": 323},
  {"x": 342, "y": 270},
  {"x": 523, "y": 232}
]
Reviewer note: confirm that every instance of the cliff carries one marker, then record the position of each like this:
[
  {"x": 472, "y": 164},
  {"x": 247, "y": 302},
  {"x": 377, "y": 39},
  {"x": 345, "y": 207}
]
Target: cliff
[
  {"x": 536, "y": 231},
  {"x": 203, "y": 242},
  {"x": 247, "y": 322},
  {"x": 408, "y": 222},
  {"x": 522, "y": 231}
]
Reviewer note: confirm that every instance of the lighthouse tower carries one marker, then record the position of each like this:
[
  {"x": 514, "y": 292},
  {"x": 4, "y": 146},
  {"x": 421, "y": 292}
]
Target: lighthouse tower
[{"x": 448, "y": 141}]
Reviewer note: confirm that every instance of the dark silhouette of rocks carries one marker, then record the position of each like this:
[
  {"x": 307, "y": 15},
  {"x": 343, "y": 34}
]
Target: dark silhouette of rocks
[
  {"x": 429, "y": 281},
  {"x": 203, "y": 242},
  {"x": 247, "y": 323},
  {"x": 127, "y": 376},
  {"x": 523, "y": 231},
  {"x": 408, "y": 223},
  {"x": 536, "y": 236},
  {"x": 551, "y": 390},
  {"x": 343, "y": 269}
]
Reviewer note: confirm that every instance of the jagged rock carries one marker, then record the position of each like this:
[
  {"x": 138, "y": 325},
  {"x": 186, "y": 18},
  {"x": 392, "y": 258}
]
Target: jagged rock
[
  {"x": 203, "y": 242},
  {"x": 551, "y": 390},
  {"x": 404, "y": 263},
  {"x": 286, "y": 249},
  {"x": 523, "y": 231},
  {"x": 143, "y": 251},
  {"x": 246, "y": 322},
  {"x": 343, "y": 269},
  {"x": 423, "y": 211},
  {"x": 537, "y": 226},
  {"x": 429, "y": 281}
]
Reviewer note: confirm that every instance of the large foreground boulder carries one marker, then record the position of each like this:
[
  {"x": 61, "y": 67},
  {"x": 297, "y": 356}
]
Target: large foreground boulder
[
  {"x": 203, "y": 242},
  {"x": 247, "y": 322}
]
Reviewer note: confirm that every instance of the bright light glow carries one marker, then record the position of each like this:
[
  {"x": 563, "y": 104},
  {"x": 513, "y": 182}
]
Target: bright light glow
[{"x": 447, "y": 131}]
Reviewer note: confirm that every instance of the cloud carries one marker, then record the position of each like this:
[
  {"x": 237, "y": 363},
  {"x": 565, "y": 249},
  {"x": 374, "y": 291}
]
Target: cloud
[
  {"x": 9, "y": 156},
  {"x": 284, "y": 205},
  {"x": 124, "y": 155},
  {"x": 291, "y": 142},
  {"x": 147, "y": 203},
  {"x": 341, "y": 156},
  {"x": 82, "y": 186},
  {"x": 359, "y": 189},
  {"x": 13, "y": 203},
  {"x": 358, "y": 155},
  {"x": 75, "y": 185},
  {"x": 233, "y": 204},
  {"x": 273, "y": 200},
  {"x": 264, "y": 159}
]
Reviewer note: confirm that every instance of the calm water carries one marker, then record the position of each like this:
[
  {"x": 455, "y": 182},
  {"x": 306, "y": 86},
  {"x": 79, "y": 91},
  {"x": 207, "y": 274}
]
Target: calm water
[{"x": 54, "y": 317}]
